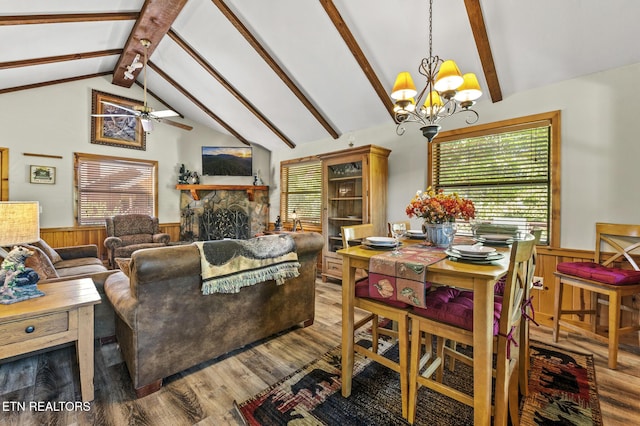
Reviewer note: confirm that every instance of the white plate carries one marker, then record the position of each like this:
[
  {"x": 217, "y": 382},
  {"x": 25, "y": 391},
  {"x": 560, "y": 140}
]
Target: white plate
[
  {"x": 381, "y": 240},
  {"x": 496, "y": 237},
  {"x": 486, "y": 259},
  {"x": 416, "y": 233},
  {"x": 474, "y": 250},
  {"x": 380, "y": 246}
]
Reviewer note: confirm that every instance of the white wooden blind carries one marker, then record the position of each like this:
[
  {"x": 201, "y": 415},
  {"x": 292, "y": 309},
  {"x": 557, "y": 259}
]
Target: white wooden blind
[
  {"x": 506, "y": 174},
  {"x": 109, "y": 186},
  {"x": 301, "y": 185}
]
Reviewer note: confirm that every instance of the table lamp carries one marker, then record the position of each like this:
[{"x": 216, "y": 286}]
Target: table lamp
[
  {"x": 19, "y": 224},
  {"x": 296, "y": 221}
]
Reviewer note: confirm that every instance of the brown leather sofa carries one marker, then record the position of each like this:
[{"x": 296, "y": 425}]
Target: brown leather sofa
[
  {"x": 65, "y": 263},
  {"x": 164, "y": 324}
]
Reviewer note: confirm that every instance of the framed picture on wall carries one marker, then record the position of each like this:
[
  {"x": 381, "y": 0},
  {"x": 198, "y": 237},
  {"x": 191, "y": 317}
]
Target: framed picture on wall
[
  {"x": 42, "y": 174},
  {"x": 123, "y": 129}
]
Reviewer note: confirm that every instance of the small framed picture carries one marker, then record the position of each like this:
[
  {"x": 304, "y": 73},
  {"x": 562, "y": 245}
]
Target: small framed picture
[{"x": 42, "y": 174}]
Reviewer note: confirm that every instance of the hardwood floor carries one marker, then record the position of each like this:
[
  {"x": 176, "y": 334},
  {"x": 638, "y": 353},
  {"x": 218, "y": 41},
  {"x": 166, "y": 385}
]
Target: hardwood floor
[{"x": 204, "y": 394}]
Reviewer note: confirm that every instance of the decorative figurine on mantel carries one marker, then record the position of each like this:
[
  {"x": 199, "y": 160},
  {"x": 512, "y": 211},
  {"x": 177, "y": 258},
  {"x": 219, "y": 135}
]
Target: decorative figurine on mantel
[
  {"x": 257, "y": 180},
  {"x": 18, "y": 282},
  {"x": 194, "y": 179},
  {"x": 278, "y": 224},
  {"x": 184, "y": 176}
]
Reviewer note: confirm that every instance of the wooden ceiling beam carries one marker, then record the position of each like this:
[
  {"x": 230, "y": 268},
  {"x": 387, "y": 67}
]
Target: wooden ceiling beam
[
  {"x": 200, "y": 105},
  {"x": 476, "y": 19},
  {"x": 357, "y": 53},
  {"x": 153, "y": 23},
  {"x": 215, "y": 74},
  {"x": 52, "y": 82},
  {"x": 60, "y": 58},
  {"x": 67, "y": 18},
  {"x": 242, "y": 29}
]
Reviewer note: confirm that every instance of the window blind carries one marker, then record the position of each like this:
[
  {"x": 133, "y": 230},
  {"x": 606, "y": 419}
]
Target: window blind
[
  {"x": 108, "y": 186},
  {"x": 506, "y": 175},
  {"x": 301, "y": 185}
]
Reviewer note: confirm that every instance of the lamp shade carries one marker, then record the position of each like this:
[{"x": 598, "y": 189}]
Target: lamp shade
[
  {"x": 20, "y": 222},
  {"x": 432, "y": 104},
  {"x": 470, "y": 89},
  {"x": 403, "y": 87},
  {"x": 449, "y": 77}
]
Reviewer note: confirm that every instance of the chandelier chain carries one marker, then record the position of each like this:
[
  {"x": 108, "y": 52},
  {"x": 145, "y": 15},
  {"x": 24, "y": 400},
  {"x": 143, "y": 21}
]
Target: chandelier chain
[{"x": 430, "y": 28}]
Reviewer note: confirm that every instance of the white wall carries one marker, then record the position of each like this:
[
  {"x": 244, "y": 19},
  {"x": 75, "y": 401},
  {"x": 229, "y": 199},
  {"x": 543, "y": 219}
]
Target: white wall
[
  {"x": 599, "y": 153},
  {"x": 56, "y": 120}
]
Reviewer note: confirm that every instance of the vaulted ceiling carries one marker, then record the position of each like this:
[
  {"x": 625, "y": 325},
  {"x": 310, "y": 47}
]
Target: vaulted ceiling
[{"x": 281, "y": 73}]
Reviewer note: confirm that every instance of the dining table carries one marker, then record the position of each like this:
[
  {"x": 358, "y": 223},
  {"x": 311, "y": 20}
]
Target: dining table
[{"x": 480, "y": 278}]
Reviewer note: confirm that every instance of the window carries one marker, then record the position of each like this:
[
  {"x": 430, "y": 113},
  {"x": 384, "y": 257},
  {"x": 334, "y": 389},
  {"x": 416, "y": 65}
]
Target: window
[
  {"x": 301, "y": 189},
  {"x": 106, "y": 186},
  {"x": 508, "y": 169}
]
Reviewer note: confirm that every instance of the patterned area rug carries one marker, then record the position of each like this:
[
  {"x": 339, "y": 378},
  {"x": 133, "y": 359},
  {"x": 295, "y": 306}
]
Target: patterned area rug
[{"x": 563, "y": 392}]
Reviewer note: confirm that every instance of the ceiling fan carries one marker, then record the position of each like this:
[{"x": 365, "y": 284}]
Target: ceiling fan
[{"x": 144, "y": 113}]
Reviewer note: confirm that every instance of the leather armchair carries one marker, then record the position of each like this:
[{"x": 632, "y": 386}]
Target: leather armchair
[{"x": 130, "y": 232}]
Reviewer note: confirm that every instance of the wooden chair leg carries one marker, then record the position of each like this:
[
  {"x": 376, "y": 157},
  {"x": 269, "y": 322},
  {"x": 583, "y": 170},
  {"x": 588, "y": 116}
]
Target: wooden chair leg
[
  {"x": 374, "y": 333},
  {"x": 595, "y": 318},
  {"x": 614, "y": 323},
  {"x": 403, "y": 338},
  {"x": 556, "y": 310},
  {"x": 414, "y": 366}
]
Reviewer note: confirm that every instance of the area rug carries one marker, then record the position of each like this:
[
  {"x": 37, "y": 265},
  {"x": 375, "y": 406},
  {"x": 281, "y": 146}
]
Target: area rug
[{"x": 563, "y": 392}]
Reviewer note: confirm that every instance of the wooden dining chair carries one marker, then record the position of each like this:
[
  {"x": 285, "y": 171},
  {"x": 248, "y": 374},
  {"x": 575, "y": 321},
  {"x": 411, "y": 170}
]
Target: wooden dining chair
[
  {"x": 528, "y": 313},
  {"x": 614, "y": 275},
  {"x": 406, "y": 223},
  {"x": 447, "y": 316},
  {"x": 381, "y": 308}
]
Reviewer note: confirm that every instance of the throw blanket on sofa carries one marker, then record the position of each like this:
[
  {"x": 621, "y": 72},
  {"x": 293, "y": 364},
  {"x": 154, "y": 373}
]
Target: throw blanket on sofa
[{"x": 228, "y": 265}]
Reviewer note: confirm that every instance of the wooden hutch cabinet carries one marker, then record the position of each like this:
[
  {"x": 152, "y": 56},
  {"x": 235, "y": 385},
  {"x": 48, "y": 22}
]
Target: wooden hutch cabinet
[{"x": 354, "y": 191}]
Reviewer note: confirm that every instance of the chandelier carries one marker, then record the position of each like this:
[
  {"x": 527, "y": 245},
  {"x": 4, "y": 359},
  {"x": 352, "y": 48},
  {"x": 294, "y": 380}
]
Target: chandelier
[{"x": 446, "y": 92}]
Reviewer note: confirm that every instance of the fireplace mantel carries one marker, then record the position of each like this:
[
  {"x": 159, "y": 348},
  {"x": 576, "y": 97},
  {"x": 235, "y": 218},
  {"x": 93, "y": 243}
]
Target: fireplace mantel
[{"x": 195, "y": 188}]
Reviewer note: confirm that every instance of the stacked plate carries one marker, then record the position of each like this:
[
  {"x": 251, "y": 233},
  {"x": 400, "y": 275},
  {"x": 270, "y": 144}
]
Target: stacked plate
[
  {"x": 416, "y": 234},
  {"x": 495, "y": 239},
  {"x": 379, "y": 243},
  {"x": 475, "y": 253}
]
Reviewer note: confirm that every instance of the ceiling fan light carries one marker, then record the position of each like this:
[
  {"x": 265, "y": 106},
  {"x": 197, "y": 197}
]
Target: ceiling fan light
[
  {"x": 147, "y": 125},
  {"x": 449, "y": 77},
  {"x": 469, "y": 91},
  {"x": 128, "y": 75},
  {"x": 403, "y": 87}
]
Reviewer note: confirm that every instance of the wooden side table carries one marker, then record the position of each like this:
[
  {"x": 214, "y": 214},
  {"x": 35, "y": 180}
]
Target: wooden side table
[{"x": 64, "y": 314}]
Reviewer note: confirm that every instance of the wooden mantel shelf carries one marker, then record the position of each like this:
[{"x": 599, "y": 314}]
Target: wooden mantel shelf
[{"x": 195, "y": 188}]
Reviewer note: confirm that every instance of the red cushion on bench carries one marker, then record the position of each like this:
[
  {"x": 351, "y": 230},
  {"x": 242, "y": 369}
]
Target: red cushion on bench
[{"x": 596, "y": 272}]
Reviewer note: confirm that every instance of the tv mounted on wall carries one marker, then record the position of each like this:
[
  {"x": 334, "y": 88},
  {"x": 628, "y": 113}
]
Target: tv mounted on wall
[{"x": 226, "y": 161}]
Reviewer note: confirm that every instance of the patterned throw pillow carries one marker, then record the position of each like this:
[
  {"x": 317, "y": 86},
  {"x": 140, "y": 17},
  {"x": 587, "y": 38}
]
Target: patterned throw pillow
[
  {"x": 50, "y": 252},
  {"x": 40, "y": 263},
  {"x": 123, "y": 264}
]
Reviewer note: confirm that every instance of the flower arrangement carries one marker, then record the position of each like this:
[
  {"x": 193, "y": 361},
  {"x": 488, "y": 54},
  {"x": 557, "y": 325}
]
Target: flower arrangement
[{"x": 436, "y": 207}]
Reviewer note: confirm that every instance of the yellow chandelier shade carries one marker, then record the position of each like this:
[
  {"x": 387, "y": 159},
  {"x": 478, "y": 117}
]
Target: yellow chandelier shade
[
  {"x": 469, "y": 91},
  {"x": 449, "y": 77},
  {"x": 403, "y": 105},
  {"x": 403, "y": 87},
  {"x": 433, "y": 103}
]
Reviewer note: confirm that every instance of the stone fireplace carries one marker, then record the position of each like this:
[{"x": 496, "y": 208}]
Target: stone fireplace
[{"x": 214, "y": 212}]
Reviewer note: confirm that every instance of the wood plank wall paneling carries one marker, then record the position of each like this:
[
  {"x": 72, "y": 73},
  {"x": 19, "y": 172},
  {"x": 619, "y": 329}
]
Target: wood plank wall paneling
[{"x": 66, "y": 237}]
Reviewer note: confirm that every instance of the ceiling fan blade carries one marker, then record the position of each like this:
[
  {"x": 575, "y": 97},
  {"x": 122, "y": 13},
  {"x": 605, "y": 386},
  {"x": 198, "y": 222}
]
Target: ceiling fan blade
[
  {"x": 112, "y": 115},
  {"x": 164, "y": 114},
  {"x": 176, "y": 124},
  {"x": 121, "y": 107}
]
